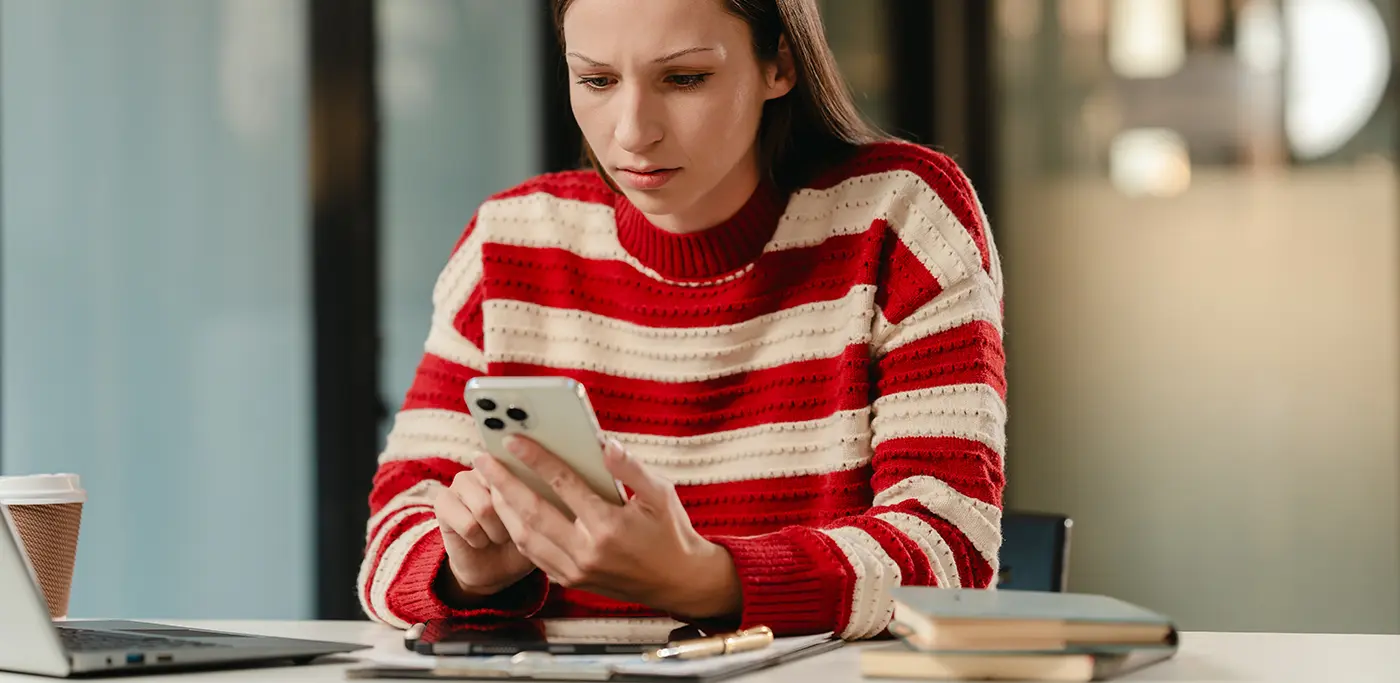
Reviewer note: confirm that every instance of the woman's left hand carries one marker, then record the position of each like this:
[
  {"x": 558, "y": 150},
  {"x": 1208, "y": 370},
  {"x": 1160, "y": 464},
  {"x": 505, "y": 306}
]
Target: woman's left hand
[{"x": 644, "y": 551}]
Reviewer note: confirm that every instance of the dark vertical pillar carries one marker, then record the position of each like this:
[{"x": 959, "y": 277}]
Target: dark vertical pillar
[
  {"x": 562, "y": 143},
  {"x": 944, "y": 82},
  {"x": 913, "y": 47},
  {"x": 343, "y": 134},
  {"x": 980, "y": 83}
]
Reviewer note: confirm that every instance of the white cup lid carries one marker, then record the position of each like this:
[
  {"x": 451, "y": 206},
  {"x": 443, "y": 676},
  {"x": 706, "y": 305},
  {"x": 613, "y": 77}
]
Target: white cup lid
[{"x": 38, "y": 489}]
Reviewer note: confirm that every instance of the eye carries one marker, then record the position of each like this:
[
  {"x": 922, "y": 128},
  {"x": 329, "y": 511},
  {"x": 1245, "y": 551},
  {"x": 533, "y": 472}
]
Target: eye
[
  {"x": 688, "y": 81},
  {"x": 595, "y": 82}
]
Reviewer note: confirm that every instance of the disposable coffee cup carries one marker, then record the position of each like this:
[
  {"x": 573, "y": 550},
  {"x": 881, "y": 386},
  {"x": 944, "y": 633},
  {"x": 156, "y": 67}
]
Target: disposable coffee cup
[{"x": 48, "y": 512}]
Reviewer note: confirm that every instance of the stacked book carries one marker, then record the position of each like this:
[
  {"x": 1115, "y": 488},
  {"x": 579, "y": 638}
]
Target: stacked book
[{"x": 957, "y": 634}]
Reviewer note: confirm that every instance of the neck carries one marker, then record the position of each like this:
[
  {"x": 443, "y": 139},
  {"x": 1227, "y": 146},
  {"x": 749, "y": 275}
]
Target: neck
[{"x": 718, "y": 247}]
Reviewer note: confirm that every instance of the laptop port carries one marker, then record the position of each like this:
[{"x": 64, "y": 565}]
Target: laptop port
[
  {"x": 136, "y": 658},
  {"x": 165, "y": 658}
]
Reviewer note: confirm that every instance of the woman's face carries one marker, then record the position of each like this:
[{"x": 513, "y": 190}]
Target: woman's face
[{"x": 669, "y": 94}]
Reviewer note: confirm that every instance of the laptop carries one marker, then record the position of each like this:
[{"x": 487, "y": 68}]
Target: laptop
[{"x": 32, "y": 643}]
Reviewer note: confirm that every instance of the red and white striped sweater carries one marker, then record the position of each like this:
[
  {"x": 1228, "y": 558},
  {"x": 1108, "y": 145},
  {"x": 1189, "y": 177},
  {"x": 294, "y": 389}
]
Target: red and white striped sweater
[{"x": 822, "y": 377}]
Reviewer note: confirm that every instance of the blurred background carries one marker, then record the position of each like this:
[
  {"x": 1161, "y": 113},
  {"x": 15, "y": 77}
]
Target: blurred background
[{"x": 220, "y": 222}]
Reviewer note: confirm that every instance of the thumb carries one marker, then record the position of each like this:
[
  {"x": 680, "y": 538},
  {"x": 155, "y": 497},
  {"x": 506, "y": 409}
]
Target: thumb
[{"x": 645, "y": 485}]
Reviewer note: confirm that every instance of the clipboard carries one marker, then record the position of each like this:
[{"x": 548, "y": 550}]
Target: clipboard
[{"x": 542, "y": 666}]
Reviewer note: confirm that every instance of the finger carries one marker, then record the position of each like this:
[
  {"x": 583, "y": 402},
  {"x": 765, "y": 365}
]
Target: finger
[
  {"x": 644, "y": 484},
  {"x": 563, "y": 479},
  {"x": 539, "y": 515},
  {"x": 469, "y": 487},
  {"x": 454, "y": 517},
  {"x": 536, "y": 547},
  {"x": 477, "y": 498}
]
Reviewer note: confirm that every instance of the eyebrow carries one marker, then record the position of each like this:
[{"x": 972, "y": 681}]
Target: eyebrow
[{"x": 665, "y": 58}]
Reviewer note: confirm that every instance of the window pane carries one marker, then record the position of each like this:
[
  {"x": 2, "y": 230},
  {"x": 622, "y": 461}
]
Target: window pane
[
  {"x": 155, "y": 300},
  {"x": 459, "y": 88},
  {"x": 856, "y": 31}
]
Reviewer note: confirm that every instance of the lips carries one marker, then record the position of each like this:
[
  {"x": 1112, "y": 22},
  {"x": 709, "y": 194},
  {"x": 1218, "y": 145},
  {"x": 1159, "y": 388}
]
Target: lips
[{"x": 646, "y": 178}]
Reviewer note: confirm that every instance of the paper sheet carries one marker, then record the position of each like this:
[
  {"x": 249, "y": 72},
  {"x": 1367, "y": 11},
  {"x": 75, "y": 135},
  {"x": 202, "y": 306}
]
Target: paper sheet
[
  {"x": 693, "y": 667},
  {"x": 581, "y": 665}
]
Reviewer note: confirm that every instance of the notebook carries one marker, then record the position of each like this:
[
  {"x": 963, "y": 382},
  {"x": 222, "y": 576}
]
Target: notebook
[
  {"x": 937, "y": 619},
  {"x": 900, "y": 661}
]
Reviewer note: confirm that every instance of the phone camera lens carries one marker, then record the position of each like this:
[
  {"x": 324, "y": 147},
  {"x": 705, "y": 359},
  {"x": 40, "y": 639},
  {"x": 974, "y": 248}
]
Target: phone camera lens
[
  {"x": 517, "y": 414},
  {"x": 486, "y": 404},
  {"x": 495, "y": 423}
]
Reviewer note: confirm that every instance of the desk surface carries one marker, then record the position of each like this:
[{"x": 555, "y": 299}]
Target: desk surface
[{"x": 1204, "y": 657}]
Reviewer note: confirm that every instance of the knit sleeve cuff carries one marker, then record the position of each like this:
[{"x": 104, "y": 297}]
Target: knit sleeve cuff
[
  {"x": 791, "y": 582},
  {"x": 415, "y": 597}
]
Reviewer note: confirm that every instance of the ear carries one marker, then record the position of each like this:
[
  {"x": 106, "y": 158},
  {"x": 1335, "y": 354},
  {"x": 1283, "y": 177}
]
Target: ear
[{"x": 781, "y": 74}]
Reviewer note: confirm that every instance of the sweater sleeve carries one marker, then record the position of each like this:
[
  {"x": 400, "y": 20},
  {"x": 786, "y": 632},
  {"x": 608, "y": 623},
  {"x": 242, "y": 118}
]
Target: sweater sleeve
[
  {"x": 432, "y": 440},
  {"x": 938, "y": 430}
]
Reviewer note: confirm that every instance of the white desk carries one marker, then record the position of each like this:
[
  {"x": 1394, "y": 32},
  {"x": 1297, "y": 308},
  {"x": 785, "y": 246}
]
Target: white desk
[{"x": 1204, "y": 658}]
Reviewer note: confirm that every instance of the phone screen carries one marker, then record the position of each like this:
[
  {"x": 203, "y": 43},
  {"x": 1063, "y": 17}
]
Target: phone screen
[{"x": 474, "y": 638}]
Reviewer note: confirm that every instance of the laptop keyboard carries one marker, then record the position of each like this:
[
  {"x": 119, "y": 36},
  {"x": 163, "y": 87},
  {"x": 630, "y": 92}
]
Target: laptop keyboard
[{"x": 80, "y": 640}]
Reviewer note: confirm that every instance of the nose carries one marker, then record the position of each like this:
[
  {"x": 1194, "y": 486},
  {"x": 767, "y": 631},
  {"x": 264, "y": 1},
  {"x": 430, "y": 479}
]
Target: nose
[{"x": 638, "y": 122}]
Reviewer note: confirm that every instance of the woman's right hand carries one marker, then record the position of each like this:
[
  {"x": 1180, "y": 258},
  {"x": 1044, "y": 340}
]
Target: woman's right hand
[{"x": 480, "y": 552}]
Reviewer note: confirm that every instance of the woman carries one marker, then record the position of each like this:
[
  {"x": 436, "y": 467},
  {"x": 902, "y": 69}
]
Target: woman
[{"x": 790, "y": 328}]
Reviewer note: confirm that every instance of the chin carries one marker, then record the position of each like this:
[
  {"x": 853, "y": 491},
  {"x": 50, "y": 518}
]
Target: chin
[{"x": 661, "y": 202}]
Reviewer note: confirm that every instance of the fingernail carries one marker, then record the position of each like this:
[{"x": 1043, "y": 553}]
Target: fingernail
[
  {"x": 514, "y": 445},
  {"x": 616, "y": 446}
]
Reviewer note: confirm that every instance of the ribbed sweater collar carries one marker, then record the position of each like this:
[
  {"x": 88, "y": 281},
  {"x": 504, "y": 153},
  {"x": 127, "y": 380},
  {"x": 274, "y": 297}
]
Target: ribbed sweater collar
[{"x": 715, "y": 251}]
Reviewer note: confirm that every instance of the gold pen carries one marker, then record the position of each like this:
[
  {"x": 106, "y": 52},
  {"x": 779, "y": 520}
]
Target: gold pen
[{"x": 746, "y": 640}]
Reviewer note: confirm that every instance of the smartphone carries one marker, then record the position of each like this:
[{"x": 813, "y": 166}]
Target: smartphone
[
  {"x": 460, "y": 638},
  {"x": 555, "y": 413}
]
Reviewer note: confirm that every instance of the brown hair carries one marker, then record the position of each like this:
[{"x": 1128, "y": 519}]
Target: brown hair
[{"x": 816, "y": 123}]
